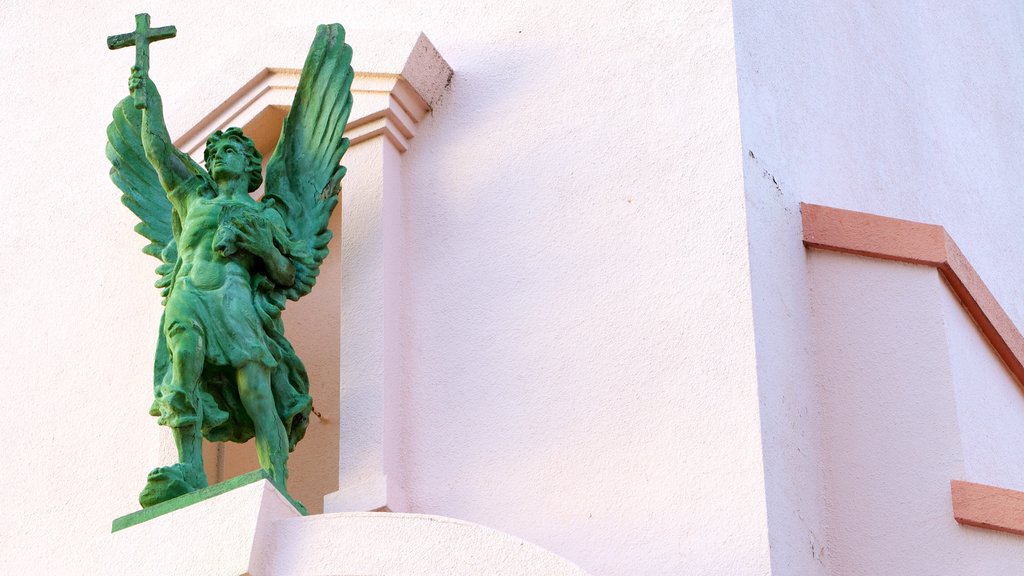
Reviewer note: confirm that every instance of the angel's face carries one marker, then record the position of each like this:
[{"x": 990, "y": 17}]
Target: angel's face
[{"x": 228, "y": 160}]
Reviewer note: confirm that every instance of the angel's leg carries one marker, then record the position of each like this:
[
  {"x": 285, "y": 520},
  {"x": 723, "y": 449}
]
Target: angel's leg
[
  {"x": 183, "y": 412},
  {"x": 271, "y": 438},
  {"x": 186, "y": 346}
]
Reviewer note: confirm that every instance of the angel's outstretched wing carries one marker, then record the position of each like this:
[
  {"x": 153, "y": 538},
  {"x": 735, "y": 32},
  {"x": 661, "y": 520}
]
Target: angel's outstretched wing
[
  {"x": 141, "y": 189},
  {"x": 144, "y": 196},
  {"x": 303, "y": 175}
]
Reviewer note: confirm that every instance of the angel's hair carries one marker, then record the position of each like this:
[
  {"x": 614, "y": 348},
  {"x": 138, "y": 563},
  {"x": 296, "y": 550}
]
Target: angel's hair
[{"x": 252, "y": 155}]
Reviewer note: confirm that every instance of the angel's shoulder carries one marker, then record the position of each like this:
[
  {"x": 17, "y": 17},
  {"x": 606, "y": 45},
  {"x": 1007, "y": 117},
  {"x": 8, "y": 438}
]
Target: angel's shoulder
[
  {"x": 195, "y": 185},
  {"x": 268, "y": 208}
]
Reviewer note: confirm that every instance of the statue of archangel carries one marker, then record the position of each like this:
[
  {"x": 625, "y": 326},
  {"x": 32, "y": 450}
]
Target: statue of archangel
[{"x": 228, "y": 262}]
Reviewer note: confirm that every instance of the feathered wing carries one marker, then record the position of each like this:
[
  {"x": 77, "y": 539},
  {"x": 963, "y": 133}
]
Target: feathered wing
[
  {"x": 304, "y": 175},
  {"x": 145, "y": 197},
  {"x": 141, "y": 189}
]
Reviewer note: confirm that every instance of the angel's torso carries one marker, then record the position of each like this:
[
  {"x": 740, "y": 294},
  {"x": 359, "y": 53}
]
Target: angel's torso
[{"x": 204, "y": 225}]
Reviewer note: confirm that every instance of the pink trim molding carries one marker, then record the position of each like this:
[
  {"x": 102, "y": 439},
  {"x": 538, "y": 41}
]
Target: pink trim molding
[
  {"x": 988, "y": 507},
  {"x": 928, "y": 244}
]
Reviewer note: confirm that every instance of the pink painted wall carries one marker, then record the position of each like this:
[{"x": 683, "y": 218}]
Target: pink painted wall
[
  {"x": 905, "y": 109},
  {"x": 900, "y": 368},
  {"x": 607, "y": 329},
  {"x": 579, "y": 368},
  {"x": 989, "y": 401}
]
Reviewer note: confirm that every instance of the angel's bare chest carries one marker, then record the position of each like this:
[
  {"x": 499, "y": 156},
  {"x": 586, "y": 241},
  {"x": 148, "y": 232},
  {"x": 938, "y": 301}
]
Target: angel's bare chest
[
  {"x": 205, "y": 218},
  {"x": 207, "y": 223}
]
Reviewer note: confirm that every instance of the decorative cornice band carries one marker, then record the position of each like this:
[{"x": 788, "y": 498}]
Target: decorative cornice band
[
  {"x": 875, "y": 236},
  {"x": 377, "y": 96},
  {"x": 988, "y": 507}
]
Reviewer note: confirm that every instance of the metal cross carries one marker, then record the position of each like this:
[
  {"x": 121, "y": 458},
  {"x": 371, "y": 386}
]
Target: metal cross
[{"x": 141, "y": 38}]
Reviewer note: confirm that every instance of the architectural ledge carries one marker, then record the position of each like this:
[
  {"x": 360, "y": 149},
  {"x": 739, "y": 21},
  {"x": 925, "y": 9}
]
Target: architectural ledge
[
  {"x": 988, "y": 507},
  {"x": 875, "y": 236},
  {"x": 245, "y": 527},
  {"x": 410, "y": 544},
  {"x": 389, "y": 98},
  {"x": 223, "y": 530}
]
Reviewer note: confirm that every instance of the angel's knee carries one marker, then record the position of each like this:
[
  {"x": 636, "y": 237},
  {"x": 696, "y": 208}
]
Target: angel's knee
[
  {"x": 178, "y": 330},
  {"x": 184, "y": 341}
]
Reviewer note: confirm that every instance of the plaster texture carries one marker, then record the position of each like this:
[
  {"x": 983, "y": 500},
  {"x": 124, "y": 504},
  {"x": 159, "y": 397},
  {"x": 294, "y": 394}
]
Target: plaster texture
[
  {"x": 579, "y": 366},
  {"x": 893, "y": 345},
  {"x": 596, "y": 331},
  {"x": 902, "y": 109},
  {"x": 253, "y": 530},
  {"x": 227, "y": 535},
  {"x": 573, "y": 356},
  {"x": 989, "y": 402},
  {"x": 408, "y": 544}
]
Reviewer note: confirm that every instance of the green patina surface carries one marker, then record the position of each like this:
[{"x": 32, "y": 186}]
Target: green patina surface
[
  {"x": 191, "y": 498},
  {"x": 224, "y": 370}
]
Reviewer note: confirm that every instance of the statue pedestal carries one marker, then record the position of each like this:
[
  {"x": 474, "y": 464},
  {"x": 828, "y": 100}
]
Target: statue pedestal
[
  {"x": 222, "y": 530},
  {"x": 246, "y": 527}
]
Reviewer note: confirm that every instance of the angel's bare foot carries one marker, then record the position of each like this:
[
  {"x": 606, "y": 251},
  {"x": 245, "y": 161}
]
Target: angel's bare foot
[{"x": 167, "y": 482}]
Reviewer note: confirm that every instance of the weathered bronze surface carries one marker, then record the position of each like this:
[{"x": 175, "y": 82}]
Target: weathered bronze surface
[{"x": 224, "y": 369}]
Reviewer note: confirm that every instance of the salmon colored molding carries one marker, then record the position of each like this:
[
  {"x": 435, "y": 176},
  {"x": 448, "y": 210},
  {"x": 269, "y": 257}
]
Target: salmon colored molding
[
  {"x": 905, "y": 241},
  {"x": 988, "y": 507},
  {"x": 928, "y": 244}
]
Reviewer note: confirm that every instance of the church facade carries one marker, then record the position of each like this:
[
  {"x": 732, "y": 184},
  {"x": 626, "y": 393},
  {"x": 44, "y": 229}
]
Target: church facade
[{"x": 665, "y": 288}]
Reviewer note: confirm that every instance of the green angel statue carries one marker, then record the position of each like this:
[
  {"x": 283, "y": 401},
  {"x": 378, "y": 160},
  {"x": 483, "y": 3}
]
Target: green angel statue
[{"x": 228, "y": 262}]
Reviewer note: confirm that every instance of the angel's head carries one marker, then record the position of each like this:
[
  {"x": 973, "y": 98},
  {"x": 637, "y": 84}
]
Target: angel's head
[{"x": 231, "y": 154}]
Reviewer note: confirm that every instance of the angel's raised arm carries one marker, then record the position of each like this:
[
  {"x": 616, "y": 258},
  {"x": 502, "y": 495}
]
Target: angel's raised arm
[{"x": 168, "y": 162}]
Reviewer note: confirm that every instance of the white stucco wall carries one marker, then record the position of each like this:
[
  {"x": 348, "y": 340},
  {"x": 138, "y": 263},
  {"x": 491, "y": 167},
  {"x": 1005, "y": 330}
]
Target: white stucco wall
[
  {"x": 577, "y": 300},
  {"x": 989, "y": 401},
  {"x": 905, "y": 109},
  {"x": 580, "y": 363},
  {"x": 900, "y": 366}
]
